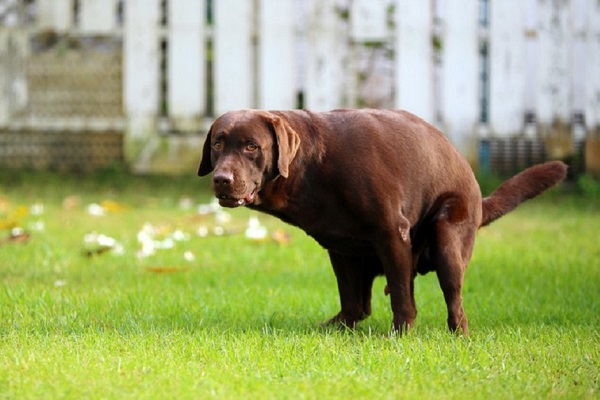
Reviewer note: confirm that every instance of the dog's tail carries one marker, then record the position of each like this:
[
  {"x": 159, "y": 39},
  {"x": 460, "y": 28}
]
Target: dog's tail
[{"x": 521, "y": 187}]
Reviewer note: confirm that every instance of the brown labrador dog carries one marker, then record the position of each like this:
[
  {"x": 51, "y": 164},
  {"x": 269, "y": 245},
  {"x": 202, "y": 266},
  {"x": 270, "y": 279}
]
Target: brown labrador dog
[{"x": 383, "y": 191}]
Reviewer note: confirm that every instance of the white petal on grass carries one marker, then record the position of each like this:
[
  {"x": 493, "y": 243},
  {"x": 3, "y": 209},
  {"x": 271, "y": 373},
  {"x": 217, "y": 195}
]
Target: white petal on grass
[
  {"x": 202, "y": 231},
  {"x": 37, "y": 226},
  {"x": 255, "y": 230},
  {"x": 96, "y": 210},
  {"x": 36, "y": 209}
]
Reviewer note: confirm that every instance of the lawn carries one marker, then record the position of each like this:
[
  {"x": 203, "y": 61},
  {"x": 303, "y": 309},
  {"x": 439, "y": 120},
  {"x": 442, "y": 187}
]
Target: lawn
[{"x": 175, "y": 301}]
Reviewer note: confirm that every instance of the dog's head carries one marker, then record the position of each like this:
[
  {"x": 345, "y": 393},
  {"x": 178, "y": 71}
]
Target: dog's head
[{"x": 246, "y": 149}]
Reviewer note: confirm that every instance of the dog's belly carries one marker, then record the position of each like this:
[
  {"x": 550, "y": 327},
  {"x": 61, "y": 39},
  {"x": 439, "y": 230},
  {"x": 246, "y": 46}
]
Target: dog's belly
[{"x": 344, "y": 245}]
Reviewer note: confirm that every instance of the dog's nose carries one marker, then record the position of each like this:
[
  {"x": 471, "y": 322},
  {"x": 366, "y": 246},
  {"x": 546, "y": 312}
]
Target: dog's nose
[{"x": 222, "y": 178}]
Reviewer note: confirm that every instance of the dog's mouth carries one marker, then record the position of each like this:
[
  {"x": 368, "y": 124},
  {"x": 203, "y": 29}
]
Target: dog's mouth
[{"x": 232, "y": 202}]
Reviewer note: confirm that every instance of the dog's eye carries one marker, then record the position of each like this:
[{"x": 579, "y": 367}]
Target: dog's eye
[
  {"x": 251, "y": 147},
  {"x": 217, "y": 146}
]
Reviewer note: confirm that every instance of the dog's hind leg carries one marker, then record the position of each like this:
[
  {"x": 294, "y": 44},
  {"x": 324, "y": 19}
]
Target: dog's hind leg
[
  {"x": 398, "y": 262},
  {"x": 355, "y": 275},
  {"x": 453, "y": 248}
]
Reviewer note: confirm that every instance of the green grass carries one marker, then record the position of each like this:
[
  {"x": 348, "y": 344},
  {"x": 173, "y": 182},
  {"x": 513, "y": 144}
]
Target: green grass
[{"x": 242, "y": 319}]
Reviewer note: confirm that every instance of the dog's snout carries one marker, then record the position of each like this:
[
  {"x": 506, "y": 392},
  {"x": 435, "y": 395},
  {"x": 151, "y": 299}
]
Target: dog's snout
[{"x": 222, "y": 178}]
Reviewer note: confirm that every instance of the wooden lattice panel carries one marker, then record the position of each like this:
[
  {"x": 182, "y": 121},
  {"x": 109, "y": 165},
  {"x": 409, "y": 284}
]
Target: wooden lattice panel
[
  {"x": 74, "y": 83},
  {"x": 508, "y": 156},
  {"x": 62, "y": 151}
]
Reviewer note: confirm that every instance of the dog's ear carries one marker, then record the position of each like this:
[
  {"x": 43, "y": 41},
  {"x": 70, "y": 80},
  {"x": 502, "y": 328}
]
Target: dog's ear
[
  {"x": 206, "y": 166},
  {"x": 288, "y": 143}
]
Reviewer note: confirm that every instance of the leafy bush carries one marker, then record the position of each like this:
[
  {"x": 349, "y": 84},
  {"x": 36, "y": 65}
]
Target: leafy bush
[{"x": 589, "y": 186}]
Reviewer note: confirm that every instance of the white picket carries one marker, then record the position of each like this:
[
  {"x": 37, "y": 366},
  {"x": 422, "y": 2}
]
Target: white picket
[
  {"x": 554, "y": 63},
  {"x": 234, "y": 67},
  {"x": 55, "y": 15},
  {"x": 368, "y": 20},
  {"x": 8, "y": 13},
  {"x": 531, "y": 62},
  {"x": 186, "y": 63},
  {"x": 507, "y": 67},
  {"x": 460, "y": 69},
  {"x": 97, "y": 17},
  {"x": 277, "y": 72},
  {"x": 14, "y": 50},
  {"x": 414, "y": 58},
  {"x": 578, "y": 23},
  {"x": 592, "y": 63},
  {"x": 4, "y": 78},
  {"x": 325, "y": 56},
  {"x": 141, "y": 58}
]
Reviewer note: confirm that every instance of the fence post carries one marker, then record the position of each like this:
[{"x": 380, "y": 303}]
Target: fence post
[
  {"x": 368, "y": 20},
  {"x": 277, "y": 78},
  {"x": 365, "y": 82},
  {"x": 592, "y": 102},
  {"x": 141, "y": 66},
  {"x": 186, "y": 63},
  {"x": 327, "y": 49},
  {"x": 98, "y": 17},
  {"x": 554, "y": 77},
  {"x": 460, "y": 71},
  {"x": 14, "y": 48},
  {"x": 507, "y": 67},
  {"x": 592, "y": 88},
  {"x": 580, "y": 60},
  {"x": 414, "y": 58},
  {"x": 234, "y": 72},
  {"x": 55, "y": 15},
  {"x": 4, "y": 78}
]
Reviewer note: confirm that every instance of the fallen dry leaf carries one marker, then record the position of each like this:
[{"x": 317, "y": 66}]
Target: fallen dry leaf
[
  {"x": 6, "y": 224},
  {"x": 19, "y": 212},
  {"x": 4, "y": 205},
  {"x": 113, "y": 206},
  {"x": 96, "y": 244},
  {"x": 96, "y": 252},
  {"x": 282, "y": 237},
  {"x": 17, "y": 235},
  {"x": 71, "y": 202}
]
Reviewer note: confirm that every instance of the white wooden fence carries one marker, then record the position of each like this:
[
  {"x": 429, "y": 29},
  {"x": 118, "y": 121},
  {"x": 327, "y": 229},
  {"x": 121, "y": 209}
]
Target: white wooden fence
[{"x": 472, "y": 67}]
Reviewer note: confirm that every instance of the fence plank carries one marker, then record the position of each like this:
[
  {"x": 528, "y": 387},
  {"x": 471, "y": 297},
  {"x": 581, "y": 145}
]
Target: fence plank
[
  {"x": 592, "y": 81},
  {"x": 579, "y": 60},
  {"x": 414, "y": 58},
  {"x": 141, "y": 65},
  {"x": 4, "y": 78},
  {"x": 234, "y": 72},
  {"x": 8, "y": 13},
  {"x": 186, "y": 66},
  {"x": 368, "y": 20},
  {"x": 55, "y": 15},
  {"x": 277, "y": 79},
  {"x": 14, "y": 50},
  {"x": 98, "y": 17},
  {"x": 554, "y": 64},
  {"x": 507, "y": 67},
  {"x": 326, "y": 52},
  {"x": 531, "y": 61},
  {"x": 460, "y": 108}
]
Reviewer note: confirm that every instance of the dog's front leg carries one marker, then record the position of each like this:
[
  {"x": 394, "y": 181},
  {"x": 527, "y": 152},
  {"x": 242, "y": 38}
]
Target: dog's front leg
[{"x": 355, "y": 275}]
